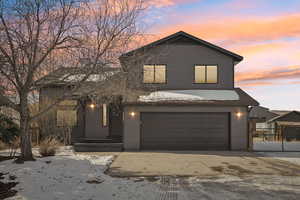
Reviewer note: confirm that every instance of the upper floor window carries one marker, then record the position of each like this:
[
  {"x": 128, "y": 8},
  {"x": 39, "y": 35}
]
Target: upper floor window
[
  {"x": 206, "y": 74},
  {"x": 154, "y": 74}
]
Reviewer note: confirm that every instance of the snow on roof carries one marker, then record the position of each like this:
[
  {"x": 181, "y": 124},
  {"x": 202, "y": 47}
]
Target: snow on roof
[
  {"x": 91, "y": 78},
  {"x": 190, "y": 95}
]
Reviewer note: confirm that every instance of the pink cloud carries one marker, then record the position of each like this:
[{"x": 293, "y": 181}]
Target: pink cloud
[
  {"x": 286, "y": 72},
  {"x": 241, "y": 4},
  {"x": 163, "y": 3},
  {"x": 237, "y": 29},
  {"x": 259, "y": 48},
  {"x": 256, "y": 83}
]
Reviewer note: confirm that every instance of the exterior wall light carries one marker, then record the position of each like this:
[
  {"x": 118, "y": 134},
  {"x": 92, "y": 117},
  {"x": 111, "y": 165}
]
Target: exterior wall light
[
  {"x": 92, "y": 105},
  {"x": 132, "y": 114},
  {"x": 239, "y": 114}
]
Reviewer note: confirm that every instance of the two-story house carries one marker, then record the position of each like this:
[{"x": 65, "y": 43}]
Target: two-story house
[{"x": 194, "y": 104}]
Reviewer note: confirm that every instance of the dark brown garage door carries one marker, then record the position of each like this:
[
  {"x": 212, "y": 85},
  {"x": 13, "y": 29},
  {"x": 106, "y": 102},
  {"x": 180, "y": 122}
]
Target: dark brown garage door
[{"x": 185, "y": 131}]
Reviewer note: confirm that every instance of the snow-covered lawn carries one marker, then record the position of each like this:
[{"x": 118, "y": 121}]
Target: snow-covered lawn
[
  {"x": 72, "y": 176},
  {"x": 81, "y": 176},
  {"x": 275, "y": 146}
]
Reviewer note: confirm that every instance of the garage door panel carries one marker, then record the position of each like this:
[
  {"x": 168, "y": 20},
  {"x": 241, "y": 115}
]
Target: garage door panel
[{"x": 185, "y": 131}]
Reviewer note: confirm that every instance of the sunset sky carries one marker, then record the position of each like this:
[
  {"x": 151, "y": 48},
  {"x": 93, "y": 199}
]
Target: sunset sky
[{"x": 265, "y": 32}]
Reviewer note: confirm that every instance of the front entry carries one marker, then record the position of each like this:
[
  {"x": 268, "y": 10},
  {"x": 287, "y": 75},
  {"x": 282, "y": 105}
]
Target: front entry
[{"x": 95, "y": 127}]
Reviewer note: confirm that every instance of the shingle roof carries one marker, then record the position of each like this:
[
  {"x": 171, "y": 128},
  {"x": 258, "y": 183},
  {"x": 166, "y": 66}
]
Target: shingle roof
[
  {"x": 65, "y": 75},
  {"x": 235, "y": 56},
  {"x": 278, "y": 118}
]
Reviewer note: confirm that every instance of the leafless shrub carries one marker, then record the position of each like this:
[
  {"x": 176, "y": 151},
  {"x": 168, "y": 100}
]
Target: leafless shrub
[
  {"x": 49, "y": 146},
  {"x": 13, "y": 146}
]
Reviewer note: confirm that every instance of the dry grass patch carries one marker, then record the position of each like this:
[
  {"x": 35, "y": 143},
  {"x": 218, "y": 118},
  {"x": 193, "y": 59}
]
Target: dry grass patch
[
  {"x": 49, "y": 146},
  {"x": 3, "y": 146}
]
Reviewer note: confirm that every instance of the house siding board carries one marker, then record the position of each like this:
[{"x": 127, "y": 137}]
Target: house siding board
[
  {"x": 180, "y": 59},
  {"x": 238, "y": 126}
]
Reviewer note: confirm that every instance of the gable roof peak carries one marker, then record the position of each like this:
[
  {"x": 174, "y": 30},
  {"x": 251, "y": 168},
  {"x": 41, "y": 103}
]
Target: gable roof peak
[{"x": 235, "y": 56}]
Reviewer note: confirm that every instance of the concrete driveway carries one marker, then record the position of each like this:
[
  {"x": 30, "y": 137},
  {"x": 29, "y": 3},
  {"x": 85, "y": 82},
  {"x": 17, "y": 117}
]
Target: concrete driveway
[{"x": 137, "y": 164}]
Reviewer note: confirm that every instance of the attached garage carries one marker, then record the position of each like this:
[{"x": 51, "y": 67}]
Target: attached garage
[
  {"x": 185, "y": 131},
  {"x": 188, "y": 120}
]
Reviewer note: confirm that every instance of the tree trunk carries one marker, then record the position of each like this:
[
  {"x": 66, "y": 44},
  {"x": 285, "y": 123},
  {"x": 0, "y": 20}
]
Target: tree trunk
[{"x": 26, "y": 151}]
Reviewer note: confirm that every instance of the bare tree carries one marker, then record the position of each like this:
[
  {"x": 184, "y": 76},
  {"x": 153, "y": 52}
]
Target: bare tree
[{"x": 39, "y": 37}]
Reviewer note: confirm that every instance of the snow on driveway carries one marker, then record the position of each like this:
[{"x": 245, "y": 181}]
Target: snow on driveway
[
  {"x": 292, "y": 157},
  {"x": 276, "y": 146},
  {"x": 66, "y": 176}
]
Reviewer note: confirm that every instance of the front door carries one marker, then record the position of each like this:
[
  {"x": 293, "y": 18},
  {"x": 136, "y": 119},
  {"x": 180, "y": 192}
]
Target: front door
[{"x": 94, "y": 127}]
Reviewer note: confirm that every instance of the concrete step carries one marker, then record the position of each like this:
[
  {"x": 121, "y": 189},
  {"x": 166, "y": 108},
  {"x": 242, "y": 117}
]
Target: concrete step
[
  {"x": 98, "y": 140},
  {"x": 98, "y": 147}
]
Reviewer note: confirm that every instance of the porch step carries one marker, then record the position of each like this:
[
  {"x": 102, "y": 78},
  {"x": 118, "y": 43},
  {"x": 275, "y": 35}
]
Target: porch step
[
  {"x": 98, "y": 147},
  {"x": 97, "y": 140}
]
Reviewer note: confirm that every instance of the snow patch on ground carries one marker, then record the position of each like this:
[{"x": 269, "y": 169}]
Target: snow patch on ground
[
  {"x": 65, "y": 176},
  {"x": 292, "y": 157},
  {"x": 190, "y": 95}
]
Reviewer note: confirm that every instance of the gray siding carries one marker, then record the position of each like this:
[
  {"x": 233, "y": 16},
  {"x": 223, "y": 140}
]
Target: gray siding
[
  {"x": 180, "y": 58},
  {"x": 238, "y": 126}
]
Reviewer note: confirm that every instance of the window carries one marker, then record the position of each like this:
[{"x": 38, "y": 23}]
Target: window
[
  {"x": 261, "y": 125},
  {"x": 154, "y": 74},
  {"x": 206, "y": 74},
  {"x": 104, "y": 115},
  {"x": 66, "y": 118},
  {"x": 66, "y": 115}
]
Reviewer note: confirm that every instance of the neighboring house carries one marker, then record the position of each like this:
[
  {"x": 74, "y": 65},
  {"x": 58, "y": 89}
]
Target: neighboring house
[
  {"x": 193, "y": 104},
  {"x": 280, "y": 112},
  {"x": 287, "y": 125},
  {"x": 260, "y": 116}
]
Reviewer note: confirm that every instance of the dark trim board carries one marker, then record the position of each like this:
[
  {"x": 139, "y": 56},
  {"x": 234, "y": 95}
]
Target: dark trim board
[{"x": 171, "y": 145}]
